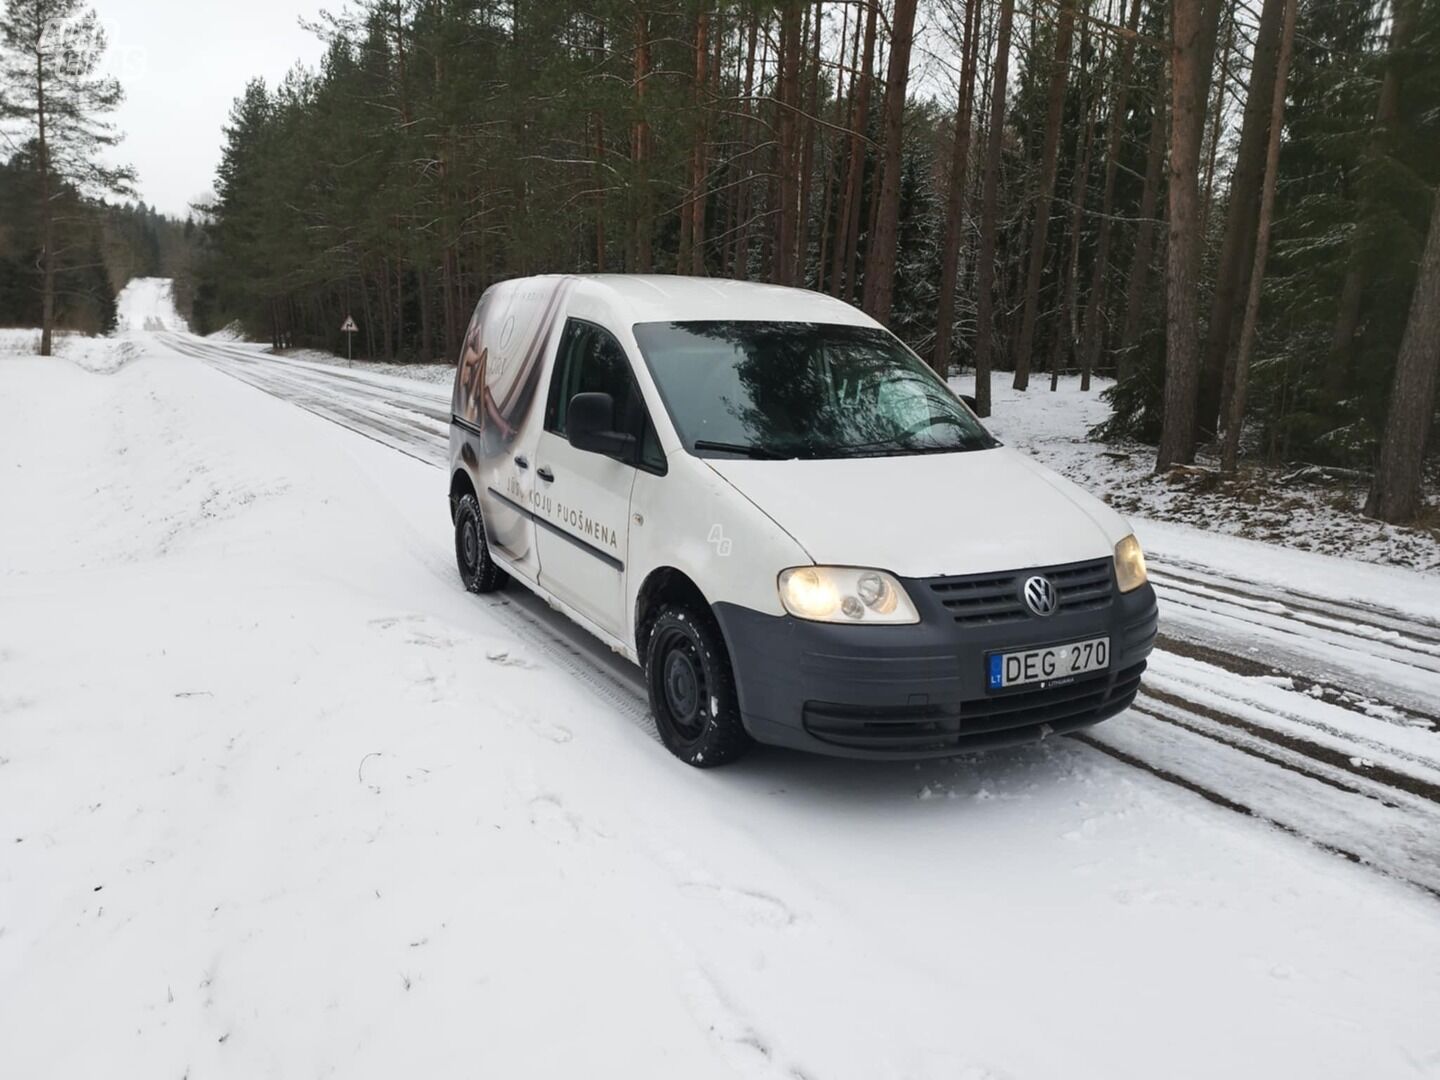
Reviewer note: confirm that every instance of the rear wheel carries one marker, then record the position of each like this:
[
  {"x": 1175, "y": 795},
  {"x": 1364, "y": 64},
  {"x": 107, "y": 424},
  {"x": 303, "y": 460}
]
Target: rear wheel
[
  {"x": 472, "y": 554},
  {"x": 692, "y": 688}
]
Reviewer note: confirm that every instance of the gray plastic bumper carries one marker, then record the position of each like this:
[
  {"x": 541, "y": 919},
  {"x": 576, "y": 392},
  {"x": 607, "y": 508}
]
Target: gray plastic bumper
[{"x": 921, "y": 691}]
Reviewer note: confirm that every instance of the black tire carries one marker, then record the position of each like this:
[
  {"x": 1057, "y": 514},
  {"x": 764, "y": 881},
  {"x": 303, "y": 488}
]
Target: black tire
[
  {"x": 472, "y": 553},
  {"x": 692, "y": 688}
]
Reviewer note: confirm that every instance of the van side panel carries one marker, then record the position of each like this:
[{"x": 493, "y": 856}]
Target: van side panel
[
  {"x": 496, "y": 407},
  {"x": 505, "y": 349}
]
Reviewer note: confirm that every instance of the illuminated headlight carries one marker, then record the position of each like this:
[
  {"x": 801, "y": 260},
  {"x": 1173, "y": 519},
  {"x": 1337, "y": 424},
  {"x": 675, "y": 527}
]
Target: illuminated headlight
[
  {"x": 842, "y": 594},
  {"x": 1129, "y": 564}
]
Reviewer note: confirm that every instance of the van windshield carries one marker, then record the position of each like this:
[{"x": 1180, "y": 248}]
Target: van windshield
[{"x": 802, "y": 390}]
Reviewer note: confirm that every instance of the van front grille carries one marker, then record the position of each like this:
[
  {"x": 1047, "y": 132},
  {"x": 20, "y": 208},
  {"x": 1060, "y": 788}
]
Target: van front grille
[{"x": 987, "y": 599}]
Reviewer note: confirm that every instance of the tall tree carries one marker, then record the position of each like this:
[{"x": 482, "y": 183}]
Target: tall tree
[
  {"x": 1382, "y": 135},
  {"x": 1045, "y": 190},
  {"x": 1237, "y": 251},
  {"x": 990, "y": 210},
  {"x": 1140, "y": 258},
  {"x": 958, "y": 185},
  {"x": 1114, "y": 137},
  {"x": 787, "y": 146},
  {"x": 641, "y": 148},
  {"x": 1241, "y": 364},
  {"x": 50, "y": 88},
  {"x": 881, "y": 252},
  {"x": 847, "y": 245},
  {"x": 1395, "y": 492},
  {"x": 1192, "y": 31}
]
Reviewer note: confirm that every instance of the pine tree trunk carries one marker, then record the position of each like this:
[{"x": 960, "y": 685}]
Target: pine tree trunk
[
  {"x": 955, "y": 200},
  {"x": 599, "y": 191},
  {"x": 427, "y": 330},
  {"x": 1066, "y": 330},
  {"x": 1237, "y": 251},
  {"x": 882, "y": 252},
  {"x": 1217, "y": 118},
  {"x": 1395, "y": 495},
  {"x": 826, "y": 269},
  {"x": 787, "y": 156},
  {"x": 989, "y": 211},
  {"x": 1387, "y": 112},
  {"x": 741, "y": 269},
  {"x": 1236, "y": 402},
  {"x": 698, "y": 167},
  {"x": 640, "y": 151},
  {"x": 807, "y": 151},
  {"x": 1045, "y": 191},
  {"x": 47, "y": 213},
  {"x": 1193, "y": 47},
  {"x": 1140, "y": 259},
  {"x": 1114, "y": 137},
  {"x": 847, "y": 249}
]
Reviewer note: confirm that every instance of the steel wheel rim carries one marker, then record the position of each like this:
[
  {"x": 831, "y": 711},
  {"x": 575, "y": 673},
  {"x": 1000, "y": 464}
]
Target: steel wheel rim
[
  {"x": 469, "y": 544},
  {"x": 682, "y": 685}
]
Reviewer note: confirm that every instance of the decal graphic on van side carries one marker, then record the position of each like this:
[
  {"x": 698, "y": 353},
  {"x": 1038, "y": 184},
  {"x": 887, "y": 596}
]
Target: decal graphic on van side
[{"x": 500, "y": 372}]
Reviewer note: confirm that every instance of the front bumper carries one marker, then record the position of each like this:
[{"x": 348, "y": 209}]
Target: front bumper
[{"x": 920, "y": 691}]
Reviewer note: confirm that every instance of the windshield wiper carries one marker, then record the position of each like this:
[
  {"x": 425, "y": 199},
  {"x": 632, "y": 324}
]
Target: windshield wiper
[
  {"x": 882, "y": 448},
  {"x": 742, "y": 449}
]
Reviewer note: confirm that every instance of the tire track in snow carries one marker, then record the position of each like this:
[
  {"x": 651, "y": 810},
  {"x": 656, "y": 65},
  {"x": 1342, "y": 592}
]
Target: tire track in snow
[{"x": 1234, "y": 753}]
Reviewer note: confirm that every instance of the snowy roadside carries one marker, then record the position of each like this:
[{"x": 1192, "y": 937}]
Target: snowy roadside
[
  {"x": 436, "y": 374},
  {"x": 101, "y": 355},
  {"x": 279, "y": 798},
  {"x": 1323, "y": 519}
]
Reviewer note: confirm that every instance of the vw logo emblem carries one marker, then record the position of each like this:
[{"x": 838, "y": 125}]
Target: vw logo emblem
[{"x": 1040, "y": 595}]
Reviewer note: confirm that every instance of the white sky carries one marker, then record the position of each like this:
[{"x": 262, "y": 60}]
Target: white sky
[{"x": 183, "y": 62}]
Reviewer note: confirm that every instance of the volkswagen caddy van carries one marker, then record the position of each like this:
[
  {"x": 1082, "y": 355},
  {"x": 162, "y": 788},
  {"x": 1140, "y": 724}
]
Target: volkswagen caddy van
[{"x": 800, "y": 534}]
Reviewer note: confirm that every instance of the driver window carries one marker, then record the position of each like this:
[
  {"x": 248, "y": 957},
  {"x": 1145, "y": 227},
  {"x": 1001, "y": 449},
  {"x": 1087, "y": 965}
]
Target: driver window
[{"x": 590, "y": 360}]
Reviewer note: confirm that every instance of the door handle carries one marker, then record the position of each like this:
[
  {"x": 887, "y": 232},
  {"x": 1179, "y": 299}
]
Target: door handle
[
  {"x": 545, "y": 474},
  {"x": 521, "y": 461}
]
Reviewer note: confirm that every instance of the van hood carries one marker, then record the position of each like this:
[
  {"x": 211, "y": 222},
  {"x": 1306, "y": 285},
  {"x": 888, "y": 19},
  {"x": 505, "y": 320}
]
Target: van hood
[{"x": 929, "y": 515}]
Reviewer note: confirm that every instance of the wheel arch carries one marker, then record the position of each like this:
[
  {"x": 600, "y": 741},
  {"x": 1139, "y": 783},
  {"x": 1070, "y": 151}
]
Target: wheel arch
[
  {"x": 460, "y": 486},
  {"x": 664, "y": 584}
]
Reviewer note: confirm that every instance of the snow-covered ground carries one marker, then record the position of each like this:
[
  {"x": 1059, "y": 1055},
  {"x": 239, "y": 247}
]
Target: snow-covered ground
[
  {"x": 277, "y": 797},
  {"x": 438, "y": 374},
  {"x": 148, "y": 304},
  {"x": 1264, "y": 504}
]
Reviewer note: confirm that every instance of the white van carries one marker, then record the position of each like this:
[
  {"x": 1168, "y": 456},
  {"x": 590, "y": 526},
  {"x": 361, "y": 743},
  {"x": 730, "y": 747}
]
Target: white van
[{"x": 799, "y": 532}]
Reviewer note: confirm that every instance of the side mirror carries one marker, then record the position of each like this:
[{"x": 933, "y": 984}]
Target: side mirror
[
  {"x": 969, "y": 401},
  {"x": 590, "y": 426}
]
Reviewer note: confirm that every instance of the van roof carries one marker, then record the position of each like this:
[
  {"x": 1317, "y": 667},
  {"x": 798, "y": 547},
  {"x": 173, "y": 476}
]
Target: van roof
[{"x": 670, "y": 298}]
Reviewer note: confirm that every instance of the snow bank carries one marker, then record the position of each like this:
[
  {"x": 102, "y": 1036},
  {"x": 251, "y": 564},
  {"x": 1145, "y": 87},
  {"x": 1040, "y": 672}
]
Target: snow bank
[
  {"x": 1054, "y": 427},
  {"x": 100, "y": 355}
]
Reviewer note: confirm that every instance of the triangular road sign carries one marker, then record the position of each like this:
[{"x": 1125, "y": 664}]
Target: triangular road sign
[{"x": 349, "y": 327}]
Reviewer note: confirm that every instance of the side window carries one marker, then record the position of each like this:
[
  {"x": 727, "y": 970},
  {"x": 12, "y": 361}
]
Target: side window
[{"x": 590, "y": 360}]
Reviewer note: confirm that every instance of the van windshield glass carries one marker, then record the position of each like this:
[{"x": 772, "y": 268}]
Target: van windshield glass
[{"x": 807, "y": 390}]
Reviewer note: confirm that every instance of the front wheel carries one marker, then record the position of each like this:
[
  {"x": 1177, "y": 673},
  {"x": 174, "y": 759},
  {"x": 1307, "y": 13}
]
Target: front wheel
[
  {"x": 472, "y": 554},
  {"x": 692, "y": 688}
]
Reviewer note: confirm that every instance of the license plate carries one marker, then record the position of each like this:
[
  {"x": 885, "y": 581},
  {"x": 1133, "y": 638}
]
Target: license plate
[{"x": 1056, "y": 664}]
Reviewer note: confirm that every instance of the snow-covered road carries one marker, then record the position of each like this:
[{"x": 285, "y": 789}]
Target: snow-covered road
[
  {"x": 279, "y": 798},
  {"x": 1318, "y": 711}
]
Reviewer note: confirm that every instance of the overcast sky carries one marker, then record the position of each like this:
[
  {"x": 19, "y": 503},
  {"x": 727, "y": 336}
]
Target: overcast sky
[{"x": 183, "y": 62}]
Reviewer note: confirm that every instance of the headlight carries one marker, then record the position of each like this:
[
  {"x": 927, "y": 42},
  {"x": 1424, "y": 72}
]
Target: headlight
[
  {"x": 842, "y": 594},
  {"x": 1130, "y": 571}
]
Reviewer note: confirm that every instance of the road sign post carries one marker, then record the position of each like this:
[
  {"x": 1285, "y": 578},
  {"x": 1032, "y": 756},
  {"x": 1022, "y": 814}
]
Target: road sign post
[{"x": 349, "y": 329}]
